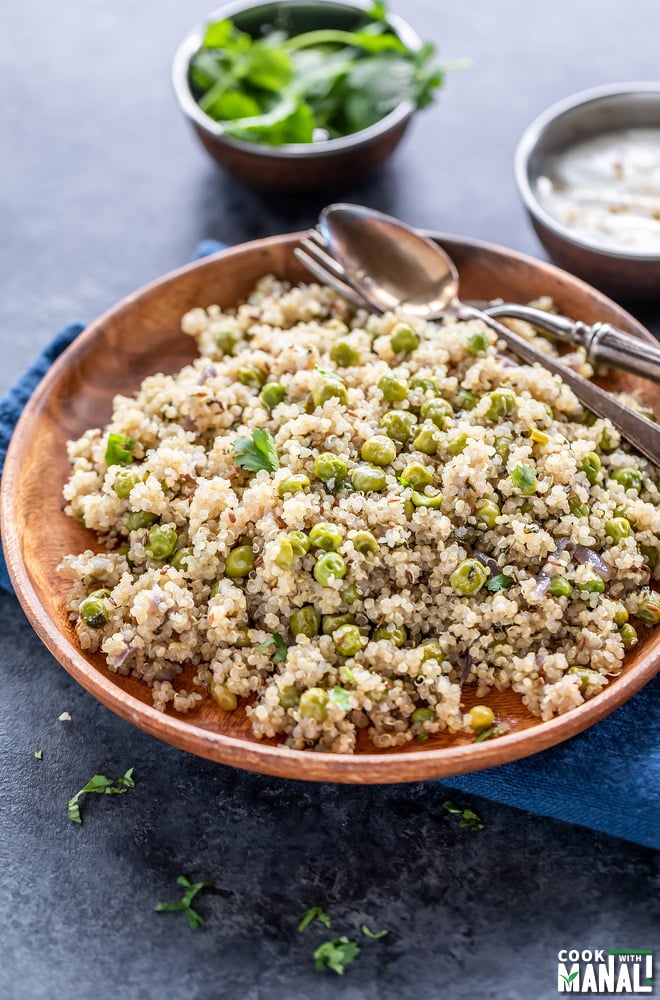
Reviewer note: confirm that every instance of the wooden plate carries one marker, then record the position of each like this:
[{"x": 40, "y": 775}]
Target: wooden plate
[{"x": 141, "y": 336}]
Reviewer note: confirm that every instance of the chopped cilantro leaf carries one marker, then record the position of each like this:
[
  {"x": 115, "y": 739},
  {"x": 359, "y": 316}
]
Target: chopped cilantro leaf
[
  {"x": 499, "y": 582},
  {"x": 375, "y": 935},
  {"x": 490, "y": 733},
  {"x": 119, "y": 450},
  {"x": 469, "y": 819},
  {"x": 185, "y": 904},
  {"x": 341, "y": 697},
  {"x": 39, "y": 754},
  {"x": 257, "y": 452},
  {"x": 335, "y": 955},
  {"x": 314, "y": 913},
  {"x": 280, "y": 647},
  {"x": 103, "y": 786}
]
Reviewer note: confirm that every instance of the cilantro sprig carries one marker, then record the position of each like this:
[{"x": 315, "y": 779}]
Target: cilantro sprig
[
  {"x": 256, "y": 452},
  {"x": 102, "y": 786},
  {"x": 324, "y": 83},
  {"x": 335, "y": 955},
  {"x": 374, "y": 935},
  {"x": 185, "y": 903},
  {"x": 469, "y": 818},
  {"x": 312, "y": 914}
]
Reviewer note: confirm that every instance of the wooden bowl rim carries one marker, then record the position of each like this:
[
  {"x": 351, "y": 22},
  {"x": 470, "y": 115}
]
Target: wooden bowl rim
[{"x": 362, "y": 768}]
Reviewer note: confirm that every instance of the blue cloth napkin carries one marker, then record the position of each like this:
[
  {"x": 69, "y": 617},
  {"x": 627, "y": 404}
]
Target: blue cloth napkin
[{"x": 607, "y": 779}]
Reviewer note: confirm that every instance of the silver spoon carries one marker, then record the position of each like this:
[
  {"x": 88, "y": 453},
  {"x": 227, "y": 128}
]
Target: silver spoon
[{"x": 390, "y": 265}]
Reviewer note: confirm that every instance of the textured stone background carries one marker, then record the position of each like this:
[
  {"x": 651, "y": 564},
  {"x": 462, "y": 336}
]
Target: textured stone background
[{"x": 101, "y": 189}]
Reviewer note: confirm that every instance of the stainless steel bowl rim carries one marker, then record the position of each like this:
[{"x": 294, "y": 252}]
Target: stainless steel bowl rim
[
  {"x": 293, "y": 151},
  {"x": 529, "y": 141}
]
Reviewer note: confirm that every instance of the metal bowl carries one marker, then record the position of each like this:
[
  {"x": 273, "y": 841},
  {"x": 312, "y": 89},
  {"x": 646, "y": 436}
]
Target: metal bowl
[
  {"x": 327, "y": 164},
  {"x": 624, "y": 273}
]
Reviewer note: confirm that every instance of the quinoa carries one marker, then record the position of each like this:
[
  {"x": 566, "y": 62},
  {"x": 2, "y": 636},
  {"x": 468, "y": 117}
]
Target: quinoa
[{"x": 544, "y": 612}]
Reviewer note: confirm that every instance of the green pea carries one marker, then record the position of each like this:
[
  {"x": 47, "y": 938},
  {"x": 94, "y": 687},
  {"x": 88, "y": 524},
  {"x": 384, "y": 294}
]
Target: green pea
[
  {"x": 523, "y": 478},
  {"x": 330, "y": 623},
  {"x": 577, "y": 508},
  {"x": 181, "y": 558},
  {"x": 587, "y": 677},
  {"x": 621, "y": 615},
  {"x": 481, "y": 717},
  {"x": 425, "y": 383},
  {"x": 503, "y": 447},
  {"x": 348, "y": 640},
  {"x": 457, "y": 444},
  {"x": 488, "y": 512},
  {"x": 398, "y": 634},
  {"x": 379, "y": 450},
  {"x": 328, "y": 566},
  {"x": 326, "y": 536},
  {"x": 351, "y": 594},
  {"x": 432, "y": 650},
  {"x": 404, "y": 338},
  {"x": 344, "y": 354},
  {"x": 628, "y": 635},
  {"x": 92, "y": 609},
  {"x": 427, "y": 440},
  {"x": 590, "y": 465},
  {"x": 560, "y": 587},
  {"x": 617, "y": 528},
  {"x": 226, "y": 340},
  {"x": 136, "y": 519},
  {"x": 296, "y": 483},
  {"x": 251, "y": 375},
  {"x": 422, "y": 715},
  {"x": 124, "y": 482},
  {"x": 393, "y": 389},
  {"x": 239, "y": 561},
  {"x": 502, "y": 404},
  {"x": 305, "y": 621},
  {"x": 433, "y": 500},
  {"x": 408, "y": 509},
  {"x": 284, "y": 555},
  {"x": 398, "y": 424},
  {"x": 606, "y": 443},
  {"x": 648, "y": 608},
  {"x": 161, "y": 541},
  {"x": 365, "y": 542},
  {"x": 438, "y": 411},
  {"x": 477, "y": 343},
  {"x": 539, "y": 437},
  {"x": 368, "y": 478},
  {"x": 242, "y": 640},
  {"x": 650, "y": 555},
  {"x": 466, "y": 400},
  {"x": 416, "y": 474},
  {"x": 299, "y": 542},
  {"x": 629, "y": 477},
  {"x": 328, "y": 467},
  {"x": 469, "y": 576},
  {"x": 329, "y": 387},
  {"x": 272, "y": 395},
  {"x": 313, "y": 704},
  {"x": 223, "y": 697},
  {"x": 289, "y": 696},
  {"x": 595, "y": 586}
]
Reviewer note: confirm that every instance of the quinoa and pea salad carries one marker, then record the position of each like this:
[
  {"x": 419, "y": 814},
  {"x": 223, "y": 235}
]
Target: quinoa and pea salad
[{"x": 341, "y": 521}]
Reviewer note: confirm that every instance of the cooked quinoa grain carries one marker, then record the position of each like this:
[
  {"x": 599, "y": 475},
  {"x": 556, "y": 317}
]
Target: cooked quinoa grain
[{"x": 345, "y": 518}]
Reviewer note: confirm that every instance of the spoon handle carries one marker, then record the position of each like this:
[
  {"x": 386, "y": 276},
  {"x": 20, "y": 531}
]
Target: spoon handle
[{"x": 643, "y": 434}]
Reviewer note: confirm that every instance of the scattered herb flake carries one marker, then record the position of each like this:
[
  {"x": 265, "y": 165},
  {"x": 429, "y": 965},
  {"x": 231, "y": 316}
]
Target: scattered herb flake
[
  {"x": 314, "y": 913},
  {"x": 341, "y": 697},
  {"x": 185, "y": 904},
  {"x": 491, "y": 733},
  {"x": 335, "y": 955},
  {"x": 119, "y": 450},
  {"x": 347, "y": 674},
  {"x": 422, "y": 737},
  {"x": 64, "y": 717},
  {"x": 374, "y": 935},
  {"x": 256, "y": 453},
  {"x": 280, "y": 647},
  {"x": 39, "y": 754},
  {"x": 469, "y": 819},
  {"x": 499, "y": 582},
  {"x": 101, "y": 785}
]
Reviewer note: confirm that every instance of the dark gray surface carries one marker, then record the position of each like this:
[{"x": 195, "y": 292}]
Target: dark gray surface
[{"x": 101, "y": 189}]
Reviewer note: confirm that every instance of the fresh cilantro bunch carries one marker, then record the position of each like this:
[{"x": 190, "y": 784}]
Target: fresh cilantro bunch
[{"x": 321, "y": 84}]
